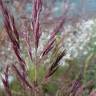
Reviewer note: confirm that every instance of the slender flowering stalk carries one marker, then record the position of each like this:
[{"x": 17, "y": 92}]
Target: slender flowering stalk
[
  {"x": 22, "y": 77},
  {"x": 27, "y": 40},
  {"x": 55, "y": 31},
  {"x": 37, "y": 7}
]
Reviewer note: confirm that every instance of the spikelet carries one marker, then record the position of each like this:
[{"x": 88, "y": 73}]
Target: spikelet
[
  {"x": 6, "y": 82},
  {"x": 54, "y": 65}
]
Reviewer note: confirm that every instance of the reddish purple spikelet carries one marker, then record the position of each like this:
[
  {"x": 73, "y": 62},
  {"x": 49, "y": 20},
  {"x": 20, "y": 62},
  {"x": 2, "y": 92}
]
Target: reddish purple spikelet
[
  {"x": 57, "y": 28},
  {"x": 51, "y": 41},
  {"x": 75, "y": 86},
  {"x": 35, "y": 23},
  {"x": 9, "y": 24},
  {"x": 48, "y": 48},
  {"x": 6, "y": 82},
  {"x": 12, "y": 32},
  {"x": 80, "y": 91}
]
